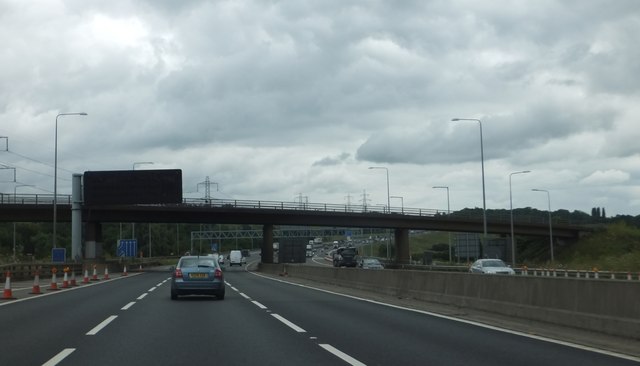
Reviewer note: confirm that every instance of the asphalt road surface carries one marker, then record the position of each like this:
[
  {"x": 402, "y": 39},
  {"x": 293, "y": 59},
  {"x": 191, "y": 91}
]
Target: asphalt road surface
[{"x": 262, "y": 321}]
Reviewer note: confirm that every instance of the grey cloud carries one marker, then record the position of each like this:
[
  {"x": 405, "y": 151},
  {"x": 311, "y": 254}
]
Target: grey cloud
[
  {"x": 337, "y": 85},
  {"x": 329, "y": 161}
]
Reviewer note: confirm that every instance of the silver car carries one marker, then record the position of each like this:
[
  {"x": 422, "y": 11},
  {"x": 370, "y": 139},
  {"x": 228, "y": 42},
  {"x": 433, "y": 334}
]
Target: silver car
[
  {"x": 370, "y": 263},
  {"x": 491, "y": 266},
  {"x": 197, "y": 275}
]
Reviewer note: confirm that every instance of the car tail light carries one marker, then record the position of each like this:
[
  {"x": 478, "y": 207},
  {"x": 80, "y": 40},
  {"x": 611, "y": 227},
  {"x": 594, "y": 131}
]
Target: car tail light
[
  {"x": 178, "y": 273},
  {"x": 217, "y": 273}
]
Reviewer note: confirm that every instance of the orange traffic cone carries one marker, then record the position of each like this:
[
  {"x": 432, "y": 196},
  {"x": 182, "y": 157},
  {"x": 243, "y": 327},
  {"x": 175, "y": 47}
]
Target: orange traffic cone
[
  {"x": 124, "y": 271},
  {"x": 86, "y": 276},
  {"x": 72, "y": 282},
  {"x": 54, "y": 283},
  {"x": 65, "y": 279},
  {"x": 36, "y": 284},
  {"x": 7, "y": 295},
  {"x": 106, "y": 272},
  {"x": 95, "y": 274}
]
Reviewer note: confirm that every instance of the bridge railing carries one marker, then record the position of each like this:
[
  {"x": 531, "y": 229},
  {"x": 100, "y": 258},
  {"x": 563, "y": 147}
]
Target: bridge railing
[
  {"x": 409, "y": 211},
  {"x": 324, "y": 207},
  {"x": 33, "y": 199},
  {"x": 47, "y": 199}
]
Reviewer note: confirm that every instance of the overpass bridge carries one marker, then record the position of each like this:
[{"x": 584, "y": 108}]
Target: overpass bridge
[{"x": 39, "y": 208}]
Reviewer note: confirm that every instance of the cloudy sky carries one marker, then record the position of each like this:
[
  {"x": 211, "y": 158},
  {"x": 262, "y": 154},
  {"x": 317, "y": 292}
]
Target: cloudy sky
[{"x": 277, "y": 100}]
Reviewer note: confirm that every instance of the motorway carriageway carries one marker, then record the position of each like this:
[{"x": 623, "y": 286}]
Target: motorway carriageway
[{"x": 263, "y": 320}]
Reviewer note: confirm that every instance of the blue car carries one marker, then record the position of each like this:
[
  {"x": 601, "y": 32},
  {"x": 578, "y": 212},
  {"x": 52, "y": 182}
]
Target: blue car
[{"x": 197, "y": 275}]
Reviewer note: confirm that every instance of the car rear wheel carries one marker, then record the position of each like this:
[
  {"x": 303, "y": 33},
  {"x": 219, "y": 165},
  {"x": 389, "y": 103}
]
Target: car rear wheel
[{"x": 174, "y": 295}]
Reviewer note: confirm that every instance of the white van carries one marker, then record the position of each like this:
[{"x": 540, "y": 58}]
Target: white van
[{"x": 235, "y": 257}]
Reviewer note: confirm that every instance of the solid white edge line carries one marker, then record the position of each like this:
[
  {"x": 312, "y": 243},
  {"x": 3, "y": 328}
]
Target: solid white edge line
[
  {"x": 142, "y": 296},
  {"x": 59, "y": 357},
  {"x": 258, "y": 304},
  {"x": 100, "y": 326},
  {"x": 343, "y": 356},
  {"x": 289, "y": 324},
  {"x": 508, "y": 331},
  {"x": 126, "y": 307}
]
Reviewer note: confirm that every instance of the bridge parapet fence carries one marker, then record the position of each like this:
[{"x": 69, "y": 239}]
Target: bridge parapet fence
[
  {"x": 47, "y": 199},
  {"x": 407, "y": 211},
  {"x": 33, "y": 199},
  {"x": 315, "y": 207}
]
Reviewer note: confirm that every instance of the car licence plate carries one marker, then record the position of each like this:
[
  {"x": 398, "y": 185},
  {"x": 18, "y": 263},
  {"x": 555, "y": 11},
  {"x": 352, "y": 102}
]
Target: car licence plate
[{"x": 197, "y": 275}]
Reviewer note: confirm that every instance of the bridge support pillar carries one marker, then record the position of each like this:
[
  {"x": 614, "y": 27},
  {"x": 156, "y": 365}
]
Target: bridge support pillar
[
  {"x": 93, "y": 243},
  {"x": 267, "y": 243},
  {"x": 402, "y": 245}
]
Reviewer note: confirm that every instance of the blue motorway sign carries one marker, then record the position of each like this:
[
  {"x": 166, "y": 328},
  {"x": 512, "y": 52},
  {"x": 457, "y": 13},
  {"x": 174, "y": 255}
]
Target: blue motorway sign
[
  {"x": 214, "y": 247},
  {"x": 127, "y": 247},
  {"x": 58, "y": 255}
]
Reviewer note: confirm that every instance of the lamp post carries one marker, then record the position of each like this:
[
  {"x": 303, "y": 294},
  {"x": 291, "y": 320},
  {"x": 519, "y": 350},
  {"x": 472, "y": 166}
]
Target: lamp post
[
  {"x": 484, "y": 201},
  {"x": 513, "y": 245},
  {"x": 55, "y": 171},
  {"x": 448, "y": 213},
  {"x": 388, "y": 202},
  {"x": 401, "y": 203},
  {"x": 550, "y": 225}
]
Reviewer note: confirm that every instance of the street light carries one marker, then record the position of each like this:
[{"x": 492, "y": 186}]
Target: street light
[
  {"x": 448, "y": 213},
  {"x": 484, "y": 201},
  {"x": 388, "y": 202},
  {"x": 55, "y": 171},
  {"x": 550, "y": 226},
  {"x": 513, "y": 245}
]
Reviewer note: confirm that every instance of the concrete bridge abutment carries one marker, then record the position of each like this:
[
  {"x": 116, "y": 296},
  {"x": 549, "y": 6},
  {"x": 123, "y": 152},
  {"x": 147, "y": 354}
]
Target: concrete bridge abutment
[
  {"x": 402, "y": 245},
  {"x": 93, "y": 240},
  {"x": 267, "y": 243}
]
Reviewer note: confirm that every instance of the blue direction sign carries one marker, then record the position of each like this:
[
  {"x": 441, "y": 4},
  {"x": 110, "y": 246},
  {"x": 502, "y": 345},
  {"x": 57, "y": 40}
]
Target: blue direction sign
[
  {"x": 127, "y": 247},
  {"x": 58, "y": 255},
  {"x": 214, "y": 247}
]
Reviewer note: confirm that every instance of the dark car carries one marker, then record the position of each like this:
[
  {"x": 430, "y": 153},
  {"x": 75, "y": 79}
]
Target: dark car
[
  {"x": 345, "y": 257},
  {"x": 197, "y": 275}
]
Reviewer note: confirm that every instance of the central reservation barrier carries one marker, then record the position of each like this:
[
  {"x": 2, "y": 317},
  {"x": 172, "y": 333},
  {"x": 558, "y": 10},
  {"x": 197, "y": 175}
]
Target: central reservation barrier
[{"x": 605, "y": 306}]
